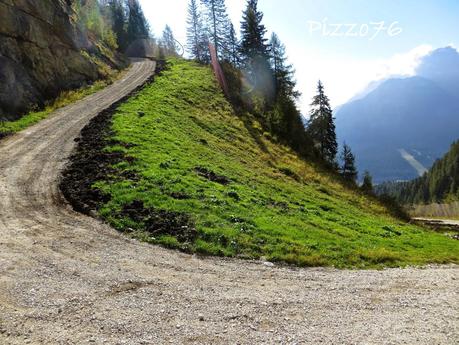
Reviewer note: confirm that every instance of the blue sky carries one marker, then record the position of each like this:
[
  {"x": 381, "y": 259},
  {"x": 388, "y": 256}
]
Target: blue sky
[{"x": 337, "y": 40}]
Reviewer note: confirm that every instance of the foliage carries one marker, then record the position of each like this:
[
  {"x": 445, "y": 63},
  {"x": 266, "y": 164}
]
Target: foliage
[
  {"x": 118, "y": 17},
  {"x": 191, "y": 154},
  {"x": 217, "y": 24},
  {"x": 348, "y": 170},
  {"x": 282, "y": 71},
  {"x": 367, "y": 184},
  {"x": 254, "y": 51},
  {"x": 117, "y": 23},
  {"x": 167, "y": 44},
  {"x": 321, "y": 126},
  {"x": 231, "y": 52},
  {"x": 439, "y": 185},
  {"x": 196, "y": 42},
  {"x": 92, "y": 17},
  {"x": 137, "y": 26}
]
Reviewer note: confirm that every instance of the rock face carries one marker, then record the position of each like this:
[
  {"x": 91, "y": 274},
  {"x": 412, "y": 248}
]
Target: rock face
[{"x": 42, "y": 52}]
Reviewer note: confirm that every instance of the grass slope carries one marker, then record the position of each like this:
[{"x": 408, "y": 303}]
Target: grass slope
[{"x": 182, "y": 140}]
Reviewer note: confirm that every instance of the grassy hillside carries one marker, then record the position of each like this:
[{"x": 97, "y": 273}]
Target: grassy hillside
[{"x": 198, "y": 177}]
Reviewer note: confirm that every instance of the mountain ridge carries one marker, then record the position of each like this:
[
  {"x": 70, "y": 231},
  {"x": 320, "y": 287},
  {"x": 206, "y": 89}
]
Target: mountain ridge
[{"x": 417, "y": 114}]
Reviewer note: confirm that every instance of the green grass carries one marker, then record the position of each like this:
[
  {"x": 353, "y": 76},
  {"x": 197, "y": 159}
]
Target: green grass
[
  {"x": 276, "y": 207},
  {"x": 65, "y": 98}
]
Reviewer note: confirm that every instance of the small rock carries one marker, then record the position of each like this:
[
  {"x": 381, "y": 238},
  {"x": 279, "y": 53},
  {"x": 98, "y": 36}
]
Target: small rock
[{"x": 201, "y": 317}]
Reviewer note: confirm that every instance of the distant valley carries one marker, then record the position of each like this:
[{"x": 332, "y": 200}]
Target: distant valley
[{"x": 399, "y": 128}]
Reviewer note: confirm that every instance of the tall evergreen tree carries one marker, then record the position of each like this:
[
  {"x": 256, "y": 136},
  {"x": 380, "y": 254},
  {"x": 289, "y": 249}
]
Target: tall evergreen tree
[
  {"x": 282, "y": 71},
  {"x": 195, "y": 32},
  {"x": 255, "y": 51},
  {"x": 321, "y": 126},
  {"x": 137, "y": 24},
  {"x": 253, "y": 41},
  {"x": 217, "y": 24},
  {"x": 367, "y": 185},
  {"x": 168, "y": 43},
  {"x": 287, "y": 121},
  {"x": 119, "y": 22},
  {"x": 348, "y": 169},
  {"x": 231, "y": 52}
]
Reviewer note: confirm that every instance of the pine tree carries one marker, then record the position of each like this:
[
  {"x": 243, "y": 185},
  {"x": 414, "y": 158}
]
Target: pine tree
[
  {"x": 283, "y": 72},
  {"x": 367, "y": 185},
  {"x": 287, "y": 121},
  {"x": 348, "y": 170},
  {"x": 321, "y": 126},
  {"x": 137, "y": 27},
  {"x": 231, "y": 52},
  {"x": 194, "y": 31},
  {"x": 119, "y": 21},
  {"x": 168, "y": 43},
  {"x": 253, "y": 41},
  {"x": 217, "y": 24},
  {"x": 254, "y": 51}
]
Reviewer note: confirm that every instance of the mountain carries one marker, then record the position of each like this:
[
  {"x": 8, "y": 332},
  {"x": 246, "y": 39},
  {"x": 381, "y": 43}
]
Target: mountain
[
  {"x": 442, "y": 67},
  {"x": 401, "y": 127},
  {"x": 439, "y": 185},
  {"x": 44, "y": 51}
]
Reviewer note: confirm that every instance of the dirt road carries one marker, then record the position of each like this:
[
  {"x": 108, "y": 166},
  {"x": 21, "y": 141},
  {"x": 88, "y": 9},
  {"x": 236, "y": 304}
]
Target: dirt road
[
  {"x": 438, "y": 221},
  {"x": 68, "y": 279}
]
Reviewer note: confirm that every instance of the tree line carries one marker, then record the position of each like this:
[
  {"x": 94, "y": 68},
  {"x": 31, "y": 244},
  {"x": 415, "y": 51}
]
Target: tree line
[
  {"x": 119, "y": 23},
  {"x": 439, "y": 185},
  {"x": 263, "y": 82}
]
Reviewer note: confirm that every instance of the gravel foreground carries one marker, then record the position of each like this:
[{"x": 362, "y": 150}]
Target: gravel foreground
[{"x": 68, "y": 279}]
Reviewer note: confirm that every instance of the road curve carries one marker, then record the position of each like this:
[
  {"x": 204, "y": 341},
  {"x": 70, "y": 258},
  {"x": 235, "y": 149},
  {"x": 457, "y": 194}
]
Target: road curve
[{"x": 69, "y": 279}]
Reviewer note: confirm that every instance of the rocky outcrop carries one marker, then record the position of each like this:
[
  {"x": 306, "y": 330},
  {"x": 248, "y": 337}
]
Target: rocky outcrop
[{"x": 42, "y": 52}]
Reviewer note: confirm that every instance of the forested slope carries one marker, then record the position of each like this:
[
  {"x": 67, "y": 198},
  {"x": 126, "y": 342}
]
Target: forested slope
[{"x": 439, "y": 185}]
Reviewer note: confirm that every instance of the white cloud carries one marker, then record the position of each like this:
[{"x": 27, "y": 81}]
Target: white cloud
[
  {"x": 345, "y": 77},
  {"x": 403, "y": 64}
]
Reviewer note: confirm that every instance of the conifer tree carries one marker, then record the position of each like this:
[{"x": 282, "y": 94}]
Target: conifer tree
[
  {"x": 119, "y": 20},
  {"x": 348, "y": 169},
  {"x": 253, "y": 41},
  {"x": 217, "y": 24},
  {"x": 283, "y": 72},
  {"x": 321, "y": 126},
  {"x": 231, "y": 52},
  {"x": 367, "y": 185},
  {"x": 168, "y": 45},
  {"x": 137, "y": 27},
  {"x": 194, "y": 31},
  {"x": 254, "y": 51}
]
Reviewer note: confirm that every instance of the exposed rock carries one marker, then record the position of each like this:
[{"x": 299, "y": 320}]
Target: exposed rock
[{"x": 43, "y": 52}]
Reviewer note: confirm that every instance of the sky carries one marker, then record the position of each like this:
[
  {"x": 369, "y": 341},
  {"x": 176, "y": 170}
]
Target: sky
[{"x": 345, "y": 44}]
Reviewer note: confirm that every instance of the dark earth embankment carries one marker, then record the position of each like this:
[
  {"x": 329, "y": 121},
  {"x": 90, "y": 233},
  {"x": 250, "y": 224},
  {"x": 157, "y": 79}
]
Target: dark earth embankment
[{"x": 90, "y": 163}]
